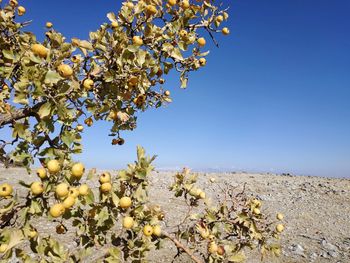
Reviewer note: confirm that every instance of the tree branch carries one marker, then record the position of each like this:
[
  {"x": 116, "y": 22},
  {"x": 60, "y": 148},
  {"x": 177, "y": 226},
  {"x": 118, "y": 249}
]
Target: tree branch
[
  {"x": 181, "y": 246},
  {"x": 17, "y": 114}
]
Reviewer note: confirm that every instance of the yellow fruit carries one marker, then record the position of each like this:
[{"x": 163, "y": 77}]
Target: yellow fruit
[
  {"x": 78, "y": 170},
  {"x": 105, "y": 178},
  {"x": 172, "y": 2},
  {"x": 3, "y": 248},
  {"x": 49, "y": 24},
  {"x": 62, "y": 190},
  {"x": 256, "y": 211},
  {"x": 75, "y": 59},
  {"x": 53, "y": 166},
  {"x": 279, "y": 216},
  {"x": 167, "y": 93},
  {"x": 130, "y": 5},
  {"x": 37, "y": 188},
  {"x": 106, "y": 187},
  {"x": 57, "y": 210},
  {"x": 185, "y": 4},
  {"x": 202, "y": 195},
  {"x": 225, "y": 15},
  {"x": 65, "y": 70},
  {"x": 13, "y": 3},
  {"x": 202, "y": 62},
  {"x": 279, "y": 228},
  {"x": 213, "y": 247},
  {"x": 32, "y": 233},
  {"x": 225, "y": 31},
  {"x": 69, "y": 202},
  {"x": 84, "y": 189},
  {"x": 41, "y": 172},
  {"x": 39, "y": 50},
  {"x": 128, "y": 222},
  {"x": 157, "y": 230},
  {"x": 80, "y": 128},
  {"x": 88, "y": 84},
  {"x": 219, "y": 18},
  {"x": 201, "y": 42},
  {"x": 89, "y": 121},
  {"x": 198, "y": 192},
  {"x": 221, "y": 250},
  {"x": 183, "y": 33},
  {"x": 193, "y": 191},
  {"x": 125, "y": 202},
  {"x": 204, "y": 232},
  {"x": 113, "y": 114},
  {"x": 5, "y": 190},
  {"x": 136, "y": 40},
  {"x": 257, "y": 202},
  {"x": 148, "y": 230},
  {"x": 75, "y": 42},
  {"x": 133, "y": 81},
  {"x": 21, "y": 10},
  {"x": 114, "y": 24},
  {"x": 73, "y": 192},
  {"x": 151, "y": 10}
]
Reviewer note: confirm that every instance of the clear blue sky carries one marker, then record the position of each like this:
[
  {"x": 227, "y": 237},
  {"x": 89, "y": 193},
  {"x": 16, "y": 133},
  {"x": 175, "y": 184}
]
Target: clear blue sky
[{"x": 275, "y": 97}]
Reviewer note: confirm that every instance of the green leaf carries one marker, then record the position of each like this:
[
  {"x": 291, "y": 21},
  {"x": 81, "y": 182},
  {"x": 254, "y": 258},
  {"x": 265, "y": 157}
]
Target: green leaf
[
  {"x": 20, "y": 98},
  {"x": 141, "y": 57},
  {"x": 68, "y": 138},
  {"x": 133, "y": 48},
  {"x": 102, "y": 216},
  {"x": 20, "y": 130},
  {"x": 44, "y": 110},
  {"x": 239, "y": 257},
  {"x": 176, "y": 53},
  {"x": 184, "y": 81},
  {"x": 7, "y": 207},
  {"x": 90, "y": 198},
  {"x": 52, "y": 77},
  {"x": 8, "y": 54},
  {"x": 111, "y": 17},
  {"x": 16, "y": 237},
  {"x": 115, "y": 199}
]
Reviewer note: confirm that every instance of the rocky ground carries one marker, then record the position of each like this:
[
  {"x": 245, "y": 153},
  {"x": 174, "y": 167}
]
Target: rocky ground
[{"x": 316, "y": 209}]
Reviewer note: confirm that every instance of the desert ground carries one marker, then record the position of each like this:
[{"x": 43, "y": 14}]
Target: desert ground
[{"x": 316, "y": 209}]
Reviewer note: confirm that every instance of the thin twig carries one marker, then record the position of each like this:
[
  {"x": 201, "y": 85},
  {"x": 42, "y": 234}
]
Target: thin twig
[{"x": 184, "y": 248}]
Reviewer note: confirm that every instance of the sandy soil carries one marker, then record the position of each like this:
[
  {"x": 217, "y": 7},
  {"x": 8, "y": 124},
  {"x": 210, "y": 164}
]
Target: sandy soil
[{"x": 316, "y": 209}]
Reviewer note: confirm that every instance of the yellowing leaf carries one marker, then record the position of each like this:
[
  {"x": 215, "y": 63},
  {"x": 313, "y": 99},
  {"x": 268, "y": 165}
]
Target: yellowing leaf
[
  {"x": 44, "y": 110},
  {"x": 239, "y": 257},
  {"x": 52, "y": 77},
  {"x": 16, "y": 237}
]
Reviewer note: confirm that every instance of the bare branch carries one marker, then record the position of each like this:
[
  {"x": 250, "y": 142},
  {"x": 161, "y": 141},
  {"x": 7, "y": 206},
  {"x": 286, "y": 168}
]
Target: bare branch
[{"x": 183, "y": 247}]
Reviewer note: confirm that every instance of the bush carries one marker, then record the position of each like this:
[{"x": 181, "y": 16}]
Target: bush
[{"x": 52, "y": 90}]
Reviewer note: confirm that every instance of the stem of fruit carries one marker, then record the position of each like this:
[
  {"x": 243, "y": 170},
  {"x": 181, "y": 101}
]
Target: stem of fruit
[{"x": 181, "y": 246}]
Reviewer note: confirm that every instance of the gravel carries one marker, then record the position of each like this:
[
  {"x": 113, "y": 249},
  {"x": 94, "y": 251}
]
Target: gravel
[{"x": 316, "y": 209}]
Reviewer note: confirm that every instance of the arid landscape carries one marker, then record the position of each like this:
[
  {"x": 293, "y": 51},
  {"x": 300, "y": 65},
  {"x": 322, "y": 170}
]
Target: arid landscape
[{"x": 316, "y": 209}]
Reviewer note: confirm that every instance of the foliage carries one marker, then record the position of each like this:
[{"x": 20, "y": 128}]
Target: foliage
[
  {"x": 128, "y": 230},
  {"x": 51, "y": 90}
]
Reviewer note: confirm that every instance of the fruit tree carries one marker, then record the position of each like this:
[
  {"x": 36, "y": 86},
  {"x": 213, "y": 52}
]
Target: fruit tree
[{"x": 51, "y": 91}]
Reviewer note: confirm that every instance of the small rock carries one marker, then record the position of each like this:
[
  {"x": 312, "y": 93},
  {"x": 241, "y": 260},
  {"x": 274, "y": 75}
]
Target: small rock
[
  {"x": 297, "y": 249},
  {"x": 333, "y": 253},
  {"x": 328, "y": 246},
  {"x": 313, "y": 256}
]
